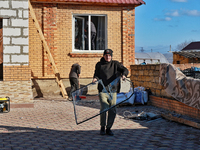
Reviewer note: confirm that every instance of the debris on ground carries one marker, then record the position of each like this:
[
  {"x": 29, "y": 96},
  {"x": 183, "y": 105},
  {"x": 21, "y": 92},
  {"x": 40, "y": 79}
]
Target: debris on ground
[{"x": 141, "y": 116}]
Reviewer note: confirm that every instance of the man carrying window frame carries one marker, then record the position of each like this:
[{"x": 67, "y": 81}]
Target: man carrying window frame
[{"x": 107, "y": 70}]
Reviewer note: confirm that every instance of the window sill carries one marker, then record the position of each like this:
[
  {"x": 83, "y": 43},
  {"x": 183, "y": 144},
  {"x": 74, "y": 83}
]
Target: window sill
[{"x": 85, "y": 55}]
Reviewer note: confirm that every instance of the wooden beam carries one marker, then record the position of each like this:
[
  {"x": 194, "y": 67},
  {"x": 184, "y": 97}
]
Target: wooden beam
[
  {"x": 46, "y": 48},
  {"x": 181, "y": 120}
]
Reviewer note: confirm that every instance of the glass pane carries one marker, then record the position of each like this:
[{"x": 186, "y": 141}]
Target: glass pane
[
  {"x": 100, "y": 38},
  {"x": 79, "y": 40},
  {"x": 86, "y": 99},
  {"x": 93, "y": 33}
]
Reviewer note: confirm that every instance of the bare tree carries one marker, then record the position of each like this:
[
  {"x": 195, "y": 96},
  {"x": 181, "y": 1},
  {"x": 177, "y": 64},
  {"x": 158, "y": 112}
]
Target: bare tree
[{"x": 182, "y": 45}]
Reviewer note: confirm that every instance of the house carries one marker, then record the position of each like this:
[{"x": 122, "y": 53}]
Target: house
[
  {"x": 27, "y": 71},
  {"x": 193, "y": 46},
  {"x": 189, "y": 54}
]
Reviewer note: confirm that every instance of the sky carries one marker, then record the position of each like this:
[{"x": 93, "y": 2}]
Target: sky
[{"x": 161, "y": 23}]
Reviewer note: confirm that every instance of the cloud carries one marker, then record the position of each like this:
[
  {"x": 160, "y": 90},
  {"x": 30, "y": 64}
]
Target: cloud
[
  {"x": 177, "y": 13},
  {"x": 163, "y": 19},
  {"x": 191, "y": 12},
  {"x": 179, "y": 1},
  {"x": 196, "y": 31},
  {"x": 173, "y": 13},
  {"x": 172, "y": 26}
]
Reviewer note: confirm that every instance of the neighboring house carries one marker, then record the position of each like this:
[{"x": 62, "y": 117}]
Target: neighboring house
[
  {"x": 193, "y": 46},
  {"x": 150, "y": 58},
  {"x": 23, "y": 59},
  {"x": 189, "y": 54}
]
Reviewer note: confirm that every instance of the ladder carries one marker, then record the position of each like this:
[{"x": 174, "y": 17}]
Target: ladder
[{"x": 46, "y": 48}]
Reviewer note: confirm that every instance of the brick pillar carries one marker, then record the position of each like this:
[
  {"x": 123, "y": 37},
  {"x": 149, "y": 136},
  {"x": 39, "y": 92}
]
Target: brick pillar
[
  {"x": 50, "y": 34},
  {"x": 1, "y": 41},
  {"x": 1, "y": 49},
  {"x": 128, "y": 36}
]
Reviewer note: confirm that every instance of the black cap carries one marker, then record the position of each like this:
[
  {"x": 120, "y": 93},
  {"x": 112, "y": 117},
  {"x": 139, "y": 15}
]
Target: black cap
[{"x": 108, "y": 51}]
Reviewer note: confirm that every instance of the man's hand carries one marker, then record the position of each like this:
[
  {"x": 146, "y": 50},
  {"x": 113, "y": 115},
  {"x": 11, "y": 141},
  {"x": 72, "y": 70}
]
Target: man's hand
[
  {"x": 123, "y": 77},
  {"x": 94, "y": 80}
]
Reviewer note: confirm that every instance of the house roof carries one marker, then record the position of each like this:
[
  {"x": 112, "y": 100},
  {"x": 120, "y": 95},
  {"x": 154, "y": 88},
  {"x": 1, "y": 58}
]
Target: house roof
[
  {"x": 192, "y": 46},
  {"x": 150, "y": 58},
  {"x": 188, "y": 54},
  {"x": 134, "y": 2}
]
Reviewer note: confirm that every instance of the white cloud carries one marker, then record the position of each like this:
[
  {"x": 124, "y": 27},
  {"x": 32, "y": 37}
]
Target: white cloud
[
  {"x": 168, "y": 18},
  {"x": 177, "y": 13},
  {"x": 179, "y": 1},
  {"x": 174, "y": 13},
  {"x": 163, "y": 19},
  {"x": 191, "y": 12}
]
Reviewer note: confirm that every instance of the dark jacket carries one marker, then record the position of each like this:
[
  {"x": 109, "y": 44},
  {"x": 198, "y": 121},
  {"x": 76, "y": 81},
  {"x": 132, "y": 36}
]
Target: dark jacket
[
  {"x": 108, "y": 71},
  {"x": 75, "y": 71}
]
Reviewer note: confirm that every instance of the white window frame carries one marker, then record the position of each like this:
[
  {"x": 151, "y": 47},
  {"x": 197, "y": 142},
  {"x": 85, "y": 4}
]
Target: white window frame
[{"x": 89, "y": 29}]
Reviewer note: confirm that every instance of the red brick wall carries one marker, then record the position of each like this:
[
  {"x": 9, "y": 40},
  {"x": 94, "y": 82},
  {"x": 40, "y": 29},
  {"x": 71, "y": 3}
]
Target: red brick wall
[
  {"x": 56, "y": 23},
  {"x": 173, "y": 105},
  {"x": 128, "y": 36},
  {"x": 1, "y": 41}
]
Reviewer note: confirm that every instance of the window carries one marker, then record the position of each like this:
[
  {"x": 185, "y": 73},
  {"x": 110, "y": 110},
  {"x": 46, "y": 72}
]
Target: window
[{"x": 89, "y": 32}]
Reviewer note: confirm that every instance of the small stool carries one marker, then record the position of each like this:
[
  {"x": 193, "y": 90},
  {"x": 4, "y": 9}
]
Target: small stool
[{"x": 4, "y": 105}]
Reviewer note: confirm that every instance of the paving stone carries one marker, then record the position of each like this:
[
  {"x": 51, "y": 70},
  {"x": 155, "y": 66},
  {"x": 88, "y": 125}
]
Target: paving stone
[{"x": 51, "y": 125}]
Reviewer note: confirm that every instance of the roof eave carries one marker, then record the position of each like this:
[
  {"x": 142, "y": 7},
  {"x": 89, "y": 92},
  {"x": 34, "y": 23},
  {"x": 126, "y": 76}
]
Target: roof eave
[{"x": 86, "y": 3}]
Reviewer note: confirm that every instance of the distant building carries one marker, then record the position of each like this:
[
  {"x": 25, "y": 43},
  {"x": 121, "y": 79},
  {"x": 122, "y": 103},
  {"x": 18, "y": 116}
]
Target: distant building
[
  {"x": 193, "y": 46},
  {"x": 189, "y": 54},
  {"x": 150, "y": 58}
]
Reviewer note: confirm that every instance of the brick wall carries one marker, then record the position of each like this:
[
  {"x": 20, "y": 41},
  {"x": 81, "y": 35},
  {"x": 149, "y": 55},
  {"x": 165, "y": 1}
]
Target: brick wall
[
  {"x": 173, "y": 105},
  {"x": 15, "y": 70},
  {"x": 183, "y": 60},
  {"x": 128, "y": 35},
  {"x": 148, "y": 76},
  {"x": 1, "y": 41},
  {"x": 16, "y": 73},
  {"x": 56, "y": 23}
]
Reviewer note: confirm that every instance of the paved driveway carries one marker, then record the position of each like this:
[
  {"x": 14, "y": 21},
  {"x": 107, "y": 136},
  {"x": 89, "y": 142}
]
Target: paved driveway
[{"x": 51, "y": 125}]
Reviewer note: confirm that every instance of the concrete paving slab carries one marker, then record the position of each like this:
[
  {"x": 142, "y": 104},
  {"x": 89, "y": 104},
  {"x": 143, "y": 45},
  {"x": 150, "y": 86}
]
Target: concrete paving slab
[{"x": 51, "y": 125}]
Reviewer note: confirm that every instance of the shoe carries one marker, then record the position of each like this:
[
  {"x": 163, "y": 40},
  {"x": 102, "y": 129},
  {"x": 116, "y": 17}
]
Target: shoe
[
  {"x": 102, "y": 131},
  {"x": 70, "y": 99},
  {"x": 109, "y": 132}
]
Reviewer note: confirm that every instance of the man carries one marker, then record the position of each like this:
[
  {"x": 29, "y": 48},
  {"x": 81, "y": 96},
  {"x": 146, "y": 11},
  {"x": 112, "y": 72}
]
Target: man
[
  {"x": 107, "y": 70},
  {"x": 74, "y": 78}
]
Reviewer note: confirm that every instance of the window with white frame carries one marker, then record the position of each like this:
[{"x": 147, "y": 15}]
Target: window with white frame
[{"x": 89, "y": 32}]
